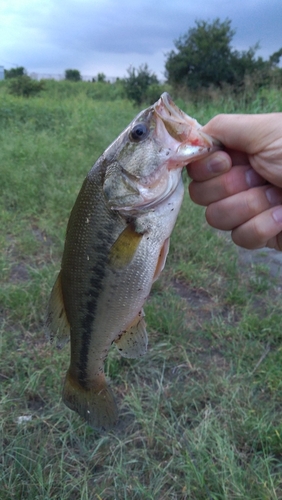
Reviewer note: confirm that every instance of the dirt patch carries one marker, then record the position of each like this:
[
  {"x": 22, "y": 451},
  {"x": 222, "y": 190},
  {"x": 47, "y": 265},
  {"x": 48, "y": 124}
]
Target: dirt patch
[
  {"x": 201, "y": 305},
  {"x": 20, "y": 261},
  {"x": 197, "y": 297},
  {"x": 266, "y": 256},
  {"x": 41, "y": 236},
  {"x": 19, "y": 272}
]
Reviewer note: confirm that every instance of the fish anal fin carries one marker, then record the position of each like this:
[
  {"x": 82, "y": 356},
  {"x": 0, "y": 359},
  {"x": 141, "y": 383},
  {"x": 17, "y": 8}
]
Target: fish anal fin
[
  {"x": 96, "y": 403},
  {"x": 58, "y": 327},
  {"x": 132, "y": 342},
  {"x": 162, "y": 259},
  {"x": 124, "y": 248}
]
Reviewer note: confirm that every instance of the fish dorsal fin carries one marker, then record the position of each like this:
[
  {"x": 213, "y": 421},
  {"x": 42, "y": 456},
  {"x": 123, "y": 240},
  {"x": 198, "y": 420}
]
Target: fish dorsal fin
[
  {"x": 57, "y": 323},
  {"x": 124, "y": 248},
  {"x": 132, "y": 343}
]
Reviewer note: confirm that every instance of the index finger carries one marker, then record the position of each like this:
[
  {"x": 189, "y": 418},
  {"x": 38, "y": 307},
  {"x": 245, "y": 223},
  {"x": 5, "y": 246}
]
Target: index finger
[{"x": 212, "y": 166}]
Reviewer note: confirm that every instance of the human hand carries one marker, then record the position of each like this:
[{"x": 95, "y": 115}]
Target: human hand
[{"x": 242, "y": 186}]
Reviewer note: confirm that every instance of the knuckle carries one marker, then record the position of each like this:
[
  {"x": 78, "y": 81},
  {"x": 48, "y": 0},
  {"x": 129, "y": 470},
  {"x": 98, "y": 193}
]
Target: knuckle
[
  {"x": 258, "y": 231},
  {"x": 227, "y": 185},
  {"x": 210, "y": 216},
  {"x": 197, "y": 193},
  {"x": 231, "y": 182},
  {"x": 253, "y": 203},
  {"x": 250, "y": 235},
  {"x": 192, "y": 189}
]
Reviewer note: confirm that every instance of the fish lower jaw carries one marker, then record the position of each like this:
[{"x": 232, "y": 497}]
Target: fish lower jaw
[{"x": 188, "y": 152}]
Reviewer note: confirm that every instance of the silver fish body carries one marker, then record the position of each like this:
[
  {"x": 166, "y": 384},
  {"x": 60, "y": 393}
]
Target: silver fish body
[{"x": 116, "y": 245}]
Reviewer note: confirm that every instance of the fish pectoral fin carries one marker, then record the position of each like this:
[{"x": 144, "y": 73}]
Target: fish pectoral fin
[
  {"x": 125, "y": 247},
  {"x": 132, "y": 342},
  {"x": 57, "y": 324},
  {"x": 161, "y": 260}
]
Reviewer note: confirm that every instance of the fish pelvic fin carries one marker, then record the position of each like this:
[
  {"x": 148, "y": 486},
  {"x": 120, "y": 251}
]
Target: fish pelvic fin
[
  {"x": 125, "y": 247},
  {"x": 95, "y": 404},
  {"x": 132, "y": 342},
  {"x": 57, "y": 324}
]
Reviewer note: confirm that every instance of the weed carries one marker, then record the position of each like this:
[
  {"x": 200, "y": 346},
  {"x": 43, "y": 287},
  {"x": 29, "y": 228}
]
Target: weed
[{"x": 200, "y": 414}]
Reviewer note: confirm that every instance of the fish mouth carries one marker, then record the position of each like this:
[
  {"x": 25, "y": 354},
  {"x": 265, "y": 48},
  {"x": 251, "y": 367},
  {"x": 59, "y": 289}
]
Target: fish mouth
[
  {"x": 189, "y": 140},
  {"x": 184, "y": 141}
]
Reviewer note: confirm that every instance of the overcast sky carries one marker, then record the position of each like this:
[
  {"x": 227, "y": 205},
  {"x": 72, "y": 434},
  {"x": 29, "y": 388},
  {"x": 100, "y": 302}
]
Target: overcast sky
[{"x": 94, "y": 36}]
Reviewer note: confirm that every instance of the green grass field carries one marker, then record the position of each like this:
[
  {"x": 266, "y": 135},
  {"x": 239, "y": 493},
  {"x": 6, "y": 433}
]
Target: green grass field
[{"x": 201, "y": 413}]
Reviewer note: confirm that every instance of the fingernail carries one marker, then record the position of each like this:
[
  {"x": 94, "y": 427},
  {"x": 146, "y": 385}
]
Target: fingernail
[
  {"x": 273, "y": 196},
  {"x": 217, "y": 165},
  {"x": 277, "y": 215},
  {"x": 252, "y": 178}
]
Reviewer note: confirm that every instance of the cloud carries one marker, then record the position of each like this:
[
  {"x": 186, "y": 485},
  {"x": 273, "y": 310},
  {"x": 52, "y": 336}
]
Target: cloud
[{"x": 109, "y": 35}]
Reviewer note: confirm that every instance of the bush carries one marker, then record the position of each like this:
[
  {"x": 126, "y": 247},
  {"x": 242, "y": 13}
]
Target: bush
[
  {"x": 101, "y": 77},
  {"x": 138, "y": 82},
  {"x": 14, "y": 72},
  {"x": 24, "y": 86},
  {"x": 154, "y": 92}
]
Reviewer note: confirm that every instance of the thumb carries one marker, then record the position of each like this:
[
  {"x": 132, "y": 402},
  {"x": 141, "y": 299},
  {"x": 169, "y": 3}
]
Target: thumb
[
  {"x": 247, "y": 133},
  {"x": 258, "y": 136}
]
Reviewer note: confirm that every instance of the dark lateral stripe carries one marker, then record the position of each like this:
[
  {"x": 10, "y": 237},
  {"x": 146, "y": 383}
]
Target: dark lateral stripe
[{"x": 93, "y": 293}]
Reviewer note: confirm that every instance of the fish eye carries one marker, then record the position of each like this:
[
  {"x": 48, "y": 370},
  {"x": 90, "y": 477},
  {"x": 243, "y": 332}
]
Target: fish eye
[{"x": 139, "y": 132}]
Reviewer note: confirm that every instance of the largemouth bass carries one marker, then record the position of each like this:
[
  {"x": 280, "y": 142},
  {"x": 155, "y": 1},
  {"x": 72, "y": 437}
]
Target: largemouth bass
[{"x": 116, "y": 246}]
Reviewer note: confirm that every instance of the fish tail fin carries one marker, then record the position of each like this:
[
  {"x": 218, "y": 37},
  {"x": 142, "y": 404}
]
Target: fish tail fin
[{"x": 95, "y": 404}]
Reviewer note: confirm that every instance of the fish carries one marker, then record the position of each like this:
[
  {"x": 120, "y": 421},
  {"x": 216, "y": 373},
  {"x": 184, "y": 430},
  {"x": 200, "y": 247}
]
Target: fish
[{"x": 116, "y": 245}]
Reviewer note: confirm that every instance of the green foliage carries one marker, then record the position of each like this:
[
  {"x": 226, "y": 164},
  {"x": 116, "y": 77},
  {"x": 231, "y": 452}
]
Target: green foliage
[
  {"x": 101, "y": 77},
  {"x": 14, "y": 72},
  {"x": 205, "y": 57},
  {"x": 138, "y": 83},
  {"x": 24, "y": 86},
  {"x": 106, "y": 92},
  {"x": 154, "y": 91},
  {"x": 73, "y": 75},
  {"x": 64, "y": 89},
  {"x": 244, "y": 65},
  {"x": 200, "y": 414},
  {"x": 275, "y": 57}
]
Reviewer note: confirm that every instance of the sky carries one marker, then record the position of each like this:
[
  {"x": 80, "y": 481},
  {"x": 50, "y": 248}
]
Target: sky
[{"x": 108, "y": 36}]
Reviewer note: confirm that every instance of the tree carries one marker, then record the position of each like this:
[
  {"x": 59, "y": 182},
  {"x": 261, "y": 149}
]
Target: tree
[
  {"x": 138, "y": 82},
  {"x": 245, "y": 63},
  {"x": 275, "y": 58},
  {"x": 205, "y": 56},
  {"x": 73, "y": 75},
  {"x": 15, "y": 72},
  {"x": 24, "y": 86}
]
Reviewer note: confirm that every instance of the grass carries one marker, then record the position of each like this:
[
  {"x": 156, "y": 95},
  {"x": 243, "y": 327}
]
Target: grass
[{"x": 200, "y": 414}]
